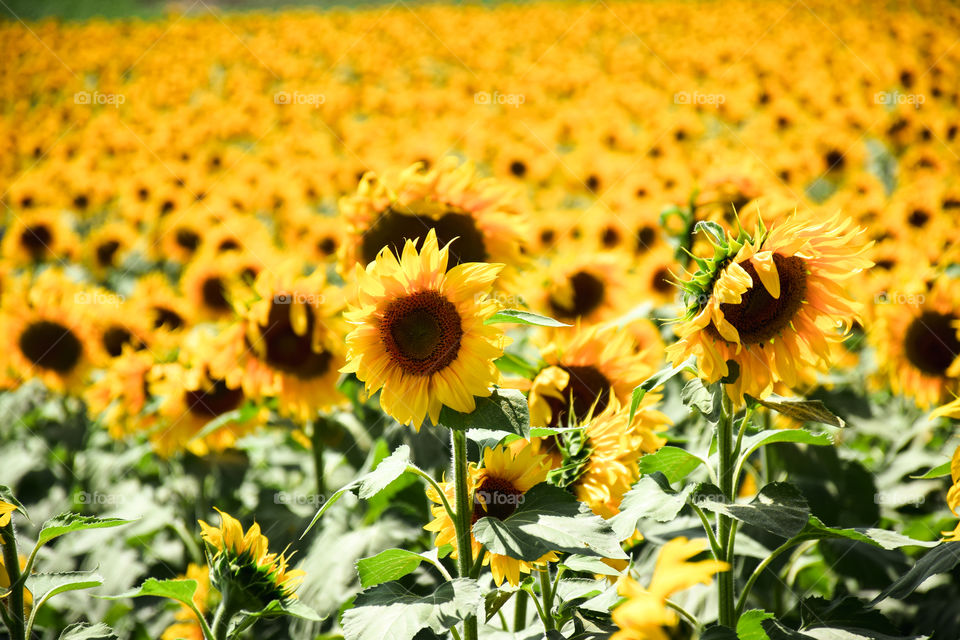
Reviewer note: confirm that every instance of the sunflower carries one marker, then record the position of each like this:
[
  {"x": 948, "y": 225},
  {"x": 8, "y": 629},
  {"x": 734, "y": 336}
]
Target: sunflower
[
  {"x": 287, "y": 342},
  {"x": 205, "y": 599},
  {"x": 119, "y": 396},
  {"x": 917, "y": 342},
  {"x": 168, "y": 312},
  {"x": 450, "y": 199},
  {"x": 49, "y": 335},
  {"x": 37, "y": 236},
  {"x": 316, "y": 237},
  {"x": 420, "y": 334},
  {"x": 190, "y": 398},
  {"x": 770, "y": 303},
  {"x": 586, "y": 286},
  {"x": 107, "y": 247},
  {"x": 496, "y": 490},
  {"x": 242, "y": 561},
  {"x": 612, "y": 446},
  {"x": 645, "y": 614},
  {"x": 209, "y": 279},
  {"x": 654, "y": 273},
  {"x": 585, "y": 369}
]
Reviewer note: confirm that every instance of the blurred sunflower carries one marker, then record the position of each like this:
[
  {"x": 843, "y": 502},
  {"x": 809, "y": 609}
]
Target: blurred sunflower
[
  {"x": 770, "y": 303},
  {"x": 49, "y": 336},
  {"x": 585, "y": 286},
  {"x": 287, "y": 342},
  {"x": 645, "y": 614},
  {"x": 210, "y": 278},
  {"x": 38, "y": 236},
  {"x": 157, "y": 300},
  {"x": 107, "y": 247},
  {"x": 450, "y": 199},
  {"x": 242, "y": 564},
  {"x": 496, "y": 490},
  {"x": 917, "y": 341},
  {"x": 420, "y": 337}
]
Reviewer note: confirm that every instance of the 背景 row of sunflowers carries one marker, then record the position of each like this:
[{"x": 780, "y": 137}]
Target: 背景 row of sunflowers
[{"x": 189, "y": 324}]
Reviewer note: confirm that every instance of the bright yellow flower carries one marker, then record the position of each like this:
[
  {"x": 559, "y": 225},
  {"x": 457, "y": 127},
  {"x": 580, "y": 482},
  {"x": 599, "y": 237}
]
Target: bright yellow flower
[
  {"x": 420, "y": 337},
  {"x": 6, "y": 509}
]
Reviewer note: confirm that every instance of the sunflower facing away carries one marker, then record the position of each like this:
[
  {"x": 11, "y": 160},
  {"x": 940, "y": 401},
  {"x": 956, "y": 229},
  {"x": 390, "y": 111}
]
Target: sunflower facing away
[
  {"x": 420, "y": 336},
  {"x": 645, "y": 614},
  {"x": 243, "y": 560},
  {"x": 771, "y": 303},
  {"x": 496, "y": 490}
]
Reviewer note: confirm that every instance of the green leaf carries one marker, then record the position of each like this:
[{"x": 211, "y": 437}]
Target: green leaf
[
  {"x": 504, "y": 409},
  {"x": 84, "y": 631},
  {"x": 389, "y": 611},
  {"x": 70, "y": 522},
  {"x": 940, "y": 559},
  {"x": 850, "y": 633},
  {"x": 937, "y": 472},
  {"x": 716, "y": 233},
  {"x": 388, "y": 470},
  {"x": 779, "y": 507},
  {"x": 513, "y": 364},
  {"x": 657, "y": 379},
  {"x": 650, "y": 498},
  {"x": 245, "y": 413},
  {"x": 494, "y": 601},
  {"x": 719, "y": 633},
  {"x": 760, "y": 625},
  {"x": 549, "y": 519},
  {"x": 801, "y": 409},
  {"x": 519, "y": 316},
  {"x": 708, "y": 400},
  {"x": 44, "y": 586},
  {"x": 391, "y": 564},
  {"x": 673, "y": 462},
  {"x": 589, "y": 564},
  {"x": 181, "y": 590},
  {"x": 816, "y": 530},
  {"x": 297, "y": 609},
  {"x": 771, "y": 436}
]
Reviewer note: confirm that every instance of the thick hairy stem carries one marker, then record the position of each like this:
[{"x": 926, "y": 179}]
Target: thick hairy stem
[
  {"x": 11, "y": 562},
  {"x": 725, "y": 584},
  {"x": 464, "y": 513}
]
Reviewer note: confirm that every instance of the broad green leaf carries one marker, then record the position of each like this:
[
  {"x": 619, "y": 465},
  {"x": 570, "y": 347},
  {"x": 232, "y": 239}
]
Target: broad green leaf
[
  {"x": 589, "y": 564},
  {"x": 390, "y": 612},
  {"x": 513, "y": 364},
  {"x": 549, "y": 519},
  {"x": 494, "y": 601},
  {"x": 504, "y": 409},
  {"x": 650, "y": 498},
  {"x": 84, "y": 631},
  {"x": 519, "y": 316},
  {"x": 298, "y": 609},
  {"x": 658, "y": 379},
  {"x": 816, "y": 530},
  {"x": 779, "y": 507},
  {"x": 760, "y": 625},
  {"x": 391, "y": 564},
  {"x": 801, "y": 409},
  {"x": 851, "y": 633},
  {"x": 937, "y": 472},
  {"x": 673, "y": 462},
  {"x": 771, "y": 436},
  {"x": 70, "y": 522},
  {"x": 181, "y": 590},
  {"x": 388, "y": 470},
  {"x": 44, "y": 586},
  {"x": 940, "y": 559},
  {"x": 708, "y": 400}
]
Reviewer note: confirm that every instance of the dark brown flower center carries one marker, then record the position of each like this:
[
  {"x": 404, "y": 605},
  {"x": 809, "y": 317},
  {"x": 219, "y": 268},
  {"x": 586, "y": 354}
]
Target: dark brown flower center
[
  {"x": 50, "y": 345},
  {"x": 588, "y": 295},
  {"x": 931, "y": 343},
  {"x": 212, "y": 402},
  {"x": 106, "y": 253},
  {"x": 289, "y": 351},
  {"x": 115, "y": 337},
  {"x": 214, "y": 294},
  {"x": 167, "y": 318},
  {"x": 495, "y": 498},
  {"x": 412, "y": 222},
  {"x": 760, "y": 317},
  {"x": 421, "y": 332},
  {"x": 36, "y": 240},
  {"x": 588, "y": 388}
]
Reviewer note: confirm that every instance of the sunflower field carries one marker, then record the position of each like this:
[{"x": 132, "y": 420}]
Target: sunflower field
[{"x": 576, "y": 320}]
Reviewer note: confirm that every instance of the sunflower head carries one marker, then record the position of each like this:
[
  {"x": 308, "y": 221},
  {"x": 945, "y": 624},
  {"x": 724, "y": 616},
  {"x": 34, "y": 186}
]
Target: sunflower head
[
  {"x": 420, "y": 337},
  {"x": 240, "y": 563}
]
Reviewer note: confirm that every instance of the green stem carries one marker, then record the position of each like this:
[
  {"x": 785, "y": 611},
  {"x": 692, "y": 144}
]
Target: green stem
[
  {"x": 546, "y": 592},
  {"x": 11, "y": 562},
  {"x": 686, "y": 615},
  {"x": 520, "y": 611},
  {"x": 436, "y": 487},
  {"x": 464, "y": 513},
  {"x": 714, "y": 546},
  {"x": 724, "y": 522},
  {"x": 224, "y": 614},
  {"x": 742, "y": 601},
  {"x": 318, "y": 448}
]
